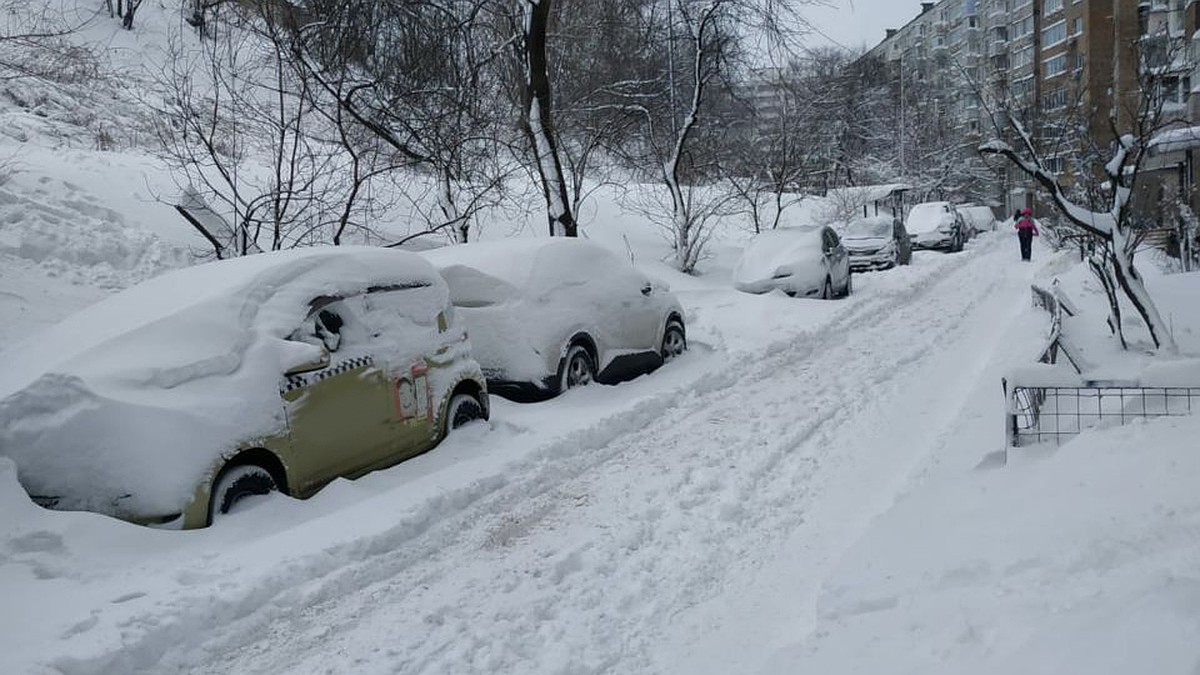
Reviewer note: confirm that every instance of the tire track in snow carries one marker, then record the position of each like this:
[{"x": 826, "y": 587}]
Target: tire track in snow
[{"x": 673, "y": 435}]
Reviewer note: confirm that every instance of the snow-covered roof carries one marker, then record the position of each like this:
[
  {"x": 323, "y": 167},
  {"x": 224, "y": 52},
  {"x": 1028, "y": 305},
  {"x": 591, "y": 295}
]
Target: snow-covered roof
[
  {"x": 867, "y": 193},
  {"x": 1174, "y": 140}
]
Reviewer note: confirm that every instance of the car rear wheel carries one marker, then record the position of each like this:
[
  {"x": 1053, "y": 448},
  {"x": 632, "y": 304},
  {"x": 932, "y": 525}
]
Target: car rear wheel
[
  {"x": 579, "y": 367},
  {"x": 238, "y": 483},
  {"x": 674, "y": 342},
  {"x": 462, "y": 410}
]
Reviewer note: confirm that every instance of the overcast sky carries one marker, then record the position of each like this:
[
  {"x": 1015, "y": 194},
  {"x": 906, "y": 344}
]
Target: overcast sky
[{"x": 857, "y": 23}]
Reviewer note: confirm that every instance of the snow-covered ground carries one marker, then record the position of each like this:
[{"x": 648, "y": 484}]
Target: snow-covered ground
[{"x": 809, "y": 489}]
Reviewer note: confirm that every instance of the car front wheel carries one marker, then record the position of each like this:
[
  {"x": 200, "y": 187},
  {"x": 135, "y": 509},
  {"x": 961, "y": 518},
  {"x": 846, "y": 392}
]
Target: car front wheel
[
  {"x": 238, "y": 483},
  {"x": 674, "y": 342},
  {"x": 579, "y": 368}
]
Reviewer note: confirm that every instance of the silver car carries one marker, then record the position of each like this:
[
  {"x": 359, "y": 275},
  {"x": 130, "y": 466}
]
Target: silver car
[
  {"x": 876, "y": 243},
  {"x": 806, "y": 262},
  {"x": 547, "y": 314}
]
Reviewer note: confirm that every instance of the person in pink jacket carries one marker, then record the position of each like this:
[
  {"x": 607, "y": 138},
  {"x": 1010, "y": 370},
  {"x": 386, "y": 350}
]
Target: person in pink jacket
[{"x": 1026, "y": 231}]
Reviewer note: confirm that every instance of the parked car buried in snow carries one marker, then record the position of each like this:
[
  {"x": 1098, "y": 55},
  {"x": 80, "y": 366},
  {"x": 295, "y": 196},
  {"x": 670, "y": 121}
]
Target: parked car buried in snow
[
  {"x": 550, "y": 313},
  {"x": 938, "y": 226},
  {"x": 978, "y": 218},
  {"x": 876, "y": 243},
  {"x": 798, "y": 261},
  {"x": 169, "y": 402}
]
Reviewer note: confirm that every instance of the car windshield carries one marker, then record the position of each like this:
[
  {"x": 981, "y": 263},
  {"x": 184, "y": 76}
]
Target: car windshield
[{"x": 869, "y": 228}]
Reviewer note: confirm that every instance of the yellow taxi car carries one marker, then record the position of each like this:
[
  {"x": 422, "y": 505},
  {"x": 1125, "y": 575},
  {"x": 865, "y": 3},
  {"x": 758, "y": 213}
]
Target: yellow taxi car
[{"x": 168, "y": 403}]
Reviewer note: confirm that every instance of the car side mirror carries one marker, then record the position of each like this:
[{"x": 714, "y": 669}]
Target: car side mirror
[{"x": 317, "y": 364}]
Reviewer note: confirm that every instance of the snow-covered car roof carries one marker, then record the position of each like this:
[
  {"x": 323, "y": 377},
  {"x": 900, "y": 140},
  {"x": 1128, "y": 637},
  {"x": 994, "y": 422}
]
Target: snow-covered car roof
[
  {"x": 928, "y": 216},
  {"x": 201, "y": 320},
  {"x": 980, "y": 216},
  {"x": 490, "y": 271},
  {"x": 773, "y": 248}
]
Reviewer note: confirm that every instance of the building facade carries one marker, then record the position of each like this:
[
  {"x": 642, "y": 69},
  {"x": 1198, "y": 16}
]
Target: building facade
[{"x": 1070, "y": 70}]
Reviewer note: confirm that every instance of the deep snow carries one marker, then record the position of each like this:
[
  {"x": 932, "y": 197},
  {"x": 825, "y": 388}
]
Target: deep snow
[{"x": 808, "y": 490}]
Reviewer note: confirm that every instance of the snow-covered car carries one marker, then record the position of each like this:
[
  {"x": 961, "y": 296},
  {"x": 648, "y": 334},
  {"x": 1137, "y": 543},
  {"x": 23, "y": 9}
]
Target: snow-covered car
[
  {"x": 876, "y": 243},
  {"x": 169, "y": 402},
  {"x": 978, "y": 218},
  {"x": 936, "y": 225},
  {"x": 808, "y": 262},
  {"x": 550, "y": 313}
]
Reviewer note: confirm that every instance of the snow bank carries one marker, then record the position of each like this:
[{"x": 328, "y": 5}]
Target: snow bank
[{"x": 1082, "y": 561}]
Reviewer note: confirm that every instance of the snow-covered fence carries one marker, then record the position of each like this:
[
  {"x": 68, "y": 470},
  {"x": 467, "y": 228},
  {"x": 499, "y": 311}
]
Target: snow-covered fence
[
  {"x": 1056, "y": 303},
  {"x": 1039, "y": 414},
  {"x": 1045, "y": 403}
]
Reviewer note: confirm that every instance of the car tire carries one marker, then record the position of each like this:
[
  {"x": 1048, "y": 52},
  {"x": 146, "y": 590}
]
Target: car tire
[
  {"x": 674, "y": 342},
  {"x": 237, "y": 483},
  {"x": 827, "y": 291},
  {"x": 462, "y": 410},
  {"x": 579, "y": 367}
]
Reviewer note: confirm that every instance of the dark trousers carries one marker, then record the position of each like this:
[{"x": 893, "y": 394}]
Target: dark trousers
[{"x": 1026, "y": 237}]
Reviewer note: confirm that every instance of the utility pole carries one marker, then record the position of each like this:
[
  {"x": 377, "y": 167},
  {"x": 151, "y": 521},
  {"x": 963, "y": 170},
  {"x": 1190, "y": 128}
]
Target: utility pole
[{"x": 903, "y": 172}]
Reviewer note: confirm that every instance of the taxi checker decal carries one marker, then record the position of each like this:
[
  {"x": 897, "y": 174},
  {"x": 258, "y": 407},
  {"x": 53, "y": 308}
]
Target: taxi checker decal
[{"x": 295, "y": 382}]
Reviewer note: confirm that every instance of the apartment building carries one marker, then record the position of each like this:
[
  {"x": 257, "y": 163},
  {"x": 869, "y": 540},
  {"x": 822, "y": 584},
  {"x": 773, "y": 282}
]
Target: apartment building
[{"x": 1066, "y": 68}]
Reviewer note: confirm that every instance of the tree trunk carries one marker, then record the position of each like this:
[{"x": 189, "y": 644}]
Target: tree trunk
[
  {"x": 1101, "y": 266},
  {"x": 538, "y": 123},
  {"x": 1131, "y": 284}
]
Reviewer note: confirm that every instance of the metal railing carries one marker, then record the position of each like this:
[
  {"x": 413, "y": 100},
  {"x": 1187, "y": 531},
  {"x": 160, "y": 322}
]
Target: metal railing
[
  {"x": 1056, "y": 414},
  {"x": 1053, "y": 406}
]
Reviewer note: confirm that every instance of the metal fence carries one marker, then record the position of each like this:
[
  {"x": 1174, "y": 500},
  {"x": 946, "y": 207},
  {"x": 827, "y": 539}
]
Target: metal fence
[
  {"x": 1055, "y": 414},
  {"x": 1041, "y": 410}
]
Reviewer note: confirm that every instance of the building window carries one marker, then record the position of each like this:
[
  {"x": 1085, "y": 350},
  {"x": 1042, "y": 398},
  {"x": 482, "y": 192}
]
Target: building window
[
  {"x": 1022, "y": 28},
  {"x": 1077, "y": 26},
  {"x": 1054, "y": 164},
  {"x": 1054, "y": 34},
  {"x": 1174, "y": 90},
  {"x": 1055, "y": 100},
  {"x": 1055, "y": 65},
  {"x": 1052, "y": 6},
  {"x": 1022, "y": 57}
]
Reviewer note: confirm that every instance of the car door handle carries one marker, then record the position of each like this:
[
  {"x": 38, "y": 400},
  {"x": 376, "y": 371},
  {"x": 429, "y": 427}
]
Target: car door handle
[{"x": 647, "y": 289}]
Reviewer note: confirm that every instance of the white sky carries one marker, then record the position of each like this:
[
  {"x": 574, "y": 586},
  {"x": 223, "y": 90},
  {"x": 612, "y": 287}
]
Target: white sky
[{"x": 857, "y": 23}]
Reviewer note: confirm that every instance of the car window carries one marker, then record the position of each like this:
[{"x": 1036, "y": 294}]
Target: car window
[{"x": 332, "y": 323}]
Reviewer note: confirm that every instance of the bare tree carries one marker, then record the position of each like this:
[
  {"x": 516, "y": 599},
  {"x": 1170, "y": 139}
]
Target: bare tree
[
  {"x": 235, "y": 100},
  {"x": 705, "y": 43},
  {"x": 415, "y": 77},
  {"x": 531, "y": 21},
  {"x": 1134, "y": 122}
]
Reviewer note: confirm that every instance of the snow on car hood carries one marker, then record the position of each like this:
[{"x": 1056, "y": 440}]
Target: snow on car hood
[
  {"x": 778, "y": 252},
  {"x": 141, "y": 393}
]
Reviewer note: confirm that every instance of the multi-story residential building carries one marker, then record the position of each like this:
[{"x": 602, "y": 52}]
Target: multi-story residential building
[{"x": 1070, "y": 70}]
